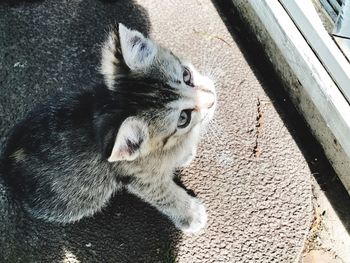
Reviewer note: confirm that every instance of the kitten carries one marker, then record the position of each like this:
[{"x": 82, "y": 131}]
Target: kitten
[{"x": 65, "y": 160}]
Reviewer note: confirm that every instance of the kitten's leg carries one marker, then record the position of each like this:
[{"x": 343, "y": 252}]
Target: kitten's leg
[
  {"x": 191, "y": 145},
  {"x": 187, "y": 213}
]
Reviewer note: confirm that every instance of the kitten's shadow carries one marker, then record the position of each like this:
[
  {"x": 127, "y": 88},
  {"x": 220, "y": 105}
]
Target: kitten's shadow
[
  {"x": 128, "y": 230},
  {"x": 51, "y": 45},
  {"x": 178, "y": 181}
]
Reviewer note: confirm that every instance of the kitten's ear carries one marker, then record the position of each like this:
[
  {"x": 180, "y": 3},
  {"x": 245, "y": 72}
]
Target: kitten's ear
[
  {"x": 112, "y": 62},
  {"x": 138, "y": 51},
  {"x": 131, "y": 140},
  {"x": 125, "y": 50}
]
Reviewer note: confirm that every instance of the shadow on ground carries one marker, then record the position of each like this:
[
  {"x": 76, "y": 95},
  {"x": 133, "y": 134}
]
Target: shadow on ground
[
  {"x": 126, "y": 231},
  {"x": 52, "y": 45},
  {"x": 318, "y": 163}
]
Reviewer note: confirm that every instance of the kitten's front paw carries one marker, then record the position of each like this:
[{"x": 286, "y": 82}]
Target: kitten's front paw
[{"x": 195, "y": 218}]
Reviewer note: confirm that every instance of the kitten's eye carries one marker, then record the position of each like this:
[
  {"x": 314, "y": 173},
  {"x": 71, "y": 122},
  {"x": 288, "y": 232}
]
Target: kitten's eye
[
  {"x": 187, "y": 76},
  {"x": 184, "y": 119}
]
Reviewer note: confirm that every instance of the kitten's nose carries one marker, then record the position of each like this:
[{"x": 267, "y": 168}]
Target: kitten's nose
[{"x": 205, "y": 99}]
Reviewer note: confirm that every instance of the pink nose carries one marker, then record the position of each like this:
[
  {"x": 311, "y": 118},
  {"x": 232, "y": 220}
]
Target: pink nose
[{"x": 205, "y": 99}]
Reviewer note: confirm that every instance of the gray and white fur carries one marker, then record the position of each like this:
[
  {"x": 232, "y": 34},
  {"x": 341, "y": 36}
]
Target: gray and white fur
[{"x": 67, "y": 158}]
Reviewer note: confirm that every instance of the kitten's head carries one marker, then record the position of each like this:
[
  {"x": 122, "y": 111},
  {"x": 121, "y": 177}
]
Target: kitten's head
[{"x": 170, "y": 101}]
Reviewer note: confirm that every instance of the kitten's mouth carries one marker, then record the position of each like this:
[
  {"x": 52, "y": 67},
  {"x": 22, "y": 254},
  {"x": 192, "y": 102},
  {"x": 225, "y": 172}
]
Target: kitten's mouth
[{"x": 211, "y": 105}]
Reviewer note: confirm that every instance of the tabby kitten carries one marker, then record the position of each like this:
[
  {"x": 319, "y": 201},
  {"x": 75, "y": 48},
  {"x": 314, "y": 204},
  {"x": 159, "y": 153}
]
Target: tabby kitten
[{"x": 65, "y": 160}]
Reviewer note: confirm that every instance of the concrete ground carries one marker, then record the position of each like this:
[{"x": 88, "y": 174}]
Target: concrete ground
[
  {"x": 253, "y": 169},
  {"x": 328, "y": 239}
]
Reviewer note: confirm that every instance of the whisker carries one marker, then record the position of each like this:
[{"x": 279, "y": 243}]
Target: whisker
[{"x": 215, "y": 137}]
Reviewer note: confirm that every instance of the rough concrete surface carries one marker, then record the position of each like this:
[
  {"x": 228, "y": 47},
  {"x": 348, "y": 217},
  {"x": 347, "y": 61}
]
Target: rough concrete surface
[
  {"x": 328, "y": 239},
  {"x": 249, "y": 172},
  {"x": 329, "y": 235}
]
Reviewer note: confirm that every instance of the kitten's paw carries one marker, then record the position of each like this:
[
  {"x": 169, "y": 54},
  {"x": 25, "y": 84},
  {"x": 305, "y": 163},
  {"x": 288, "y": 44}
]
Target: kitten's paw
[{"x": 196, "y": 218}]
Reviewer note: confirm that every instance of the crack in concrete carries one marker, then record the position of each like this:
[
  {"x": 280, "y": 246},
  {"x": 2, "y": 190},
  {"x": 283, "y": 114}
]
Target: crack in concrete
[{"x": 258, "y": 125}]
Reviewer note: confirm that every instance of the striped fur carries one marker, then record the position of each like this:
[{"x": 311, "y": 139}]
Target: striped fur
[{"x": 68, "y": 156}]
